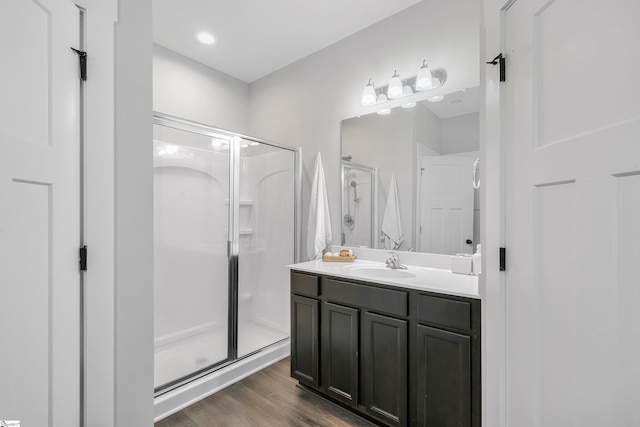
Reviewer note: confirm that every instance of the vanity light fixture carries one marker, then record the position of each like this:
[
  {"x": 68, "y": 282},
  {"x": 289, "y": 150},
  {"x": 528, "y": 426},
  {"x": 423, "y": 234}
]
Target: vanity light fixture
[
  {"x": 406, "y": 91},
  {"x": 424, "y": 80},
  {"x": 382, "y": 98},
  {"x": 397, "y": 94},
  {"x": 368, "y": 94},
  {"x": 394, "y": 90},
  {"x": 205, "y": 38}
]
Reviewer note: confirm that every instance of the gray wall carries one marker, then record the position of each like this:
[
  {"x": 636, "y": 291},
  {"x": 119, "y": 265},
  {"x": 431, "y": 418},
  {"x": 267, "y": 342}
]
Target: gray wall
[
  {"x": 190, "y": 90},
  {"x": 303, "y": 103},
  {"x": 460, "y": 134},
  {"x": 133, "y": 216}
]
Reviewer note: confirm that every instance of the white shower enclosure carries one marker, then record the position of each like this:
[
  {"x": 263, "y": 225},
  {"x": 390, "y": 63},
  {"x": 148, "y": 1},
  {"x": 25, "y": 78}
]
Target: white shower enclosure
[
  {"x": 359, "y": 205},
  {"x": 225, "y": 227}
]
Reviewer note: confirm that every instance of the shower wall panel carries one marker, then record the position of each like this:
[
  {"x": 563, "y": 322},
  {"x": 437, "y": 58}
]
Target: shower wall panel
[{"x": 263, "y": 287}]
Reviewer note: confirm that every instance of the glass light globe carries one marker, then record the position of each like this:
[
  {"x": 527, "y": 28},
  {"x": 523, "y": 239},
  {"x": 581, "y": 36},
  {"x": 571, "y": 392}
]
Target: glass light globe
[
  {"x": 395, "y": 86},
  {"x": 424, "y": 80},
  {"x": 368, "y": 94}
]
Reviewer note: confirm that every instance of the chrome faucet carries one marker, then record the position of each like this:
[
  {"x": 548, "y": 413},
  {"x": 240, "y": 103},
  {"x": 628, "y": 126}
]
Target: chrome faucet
[{"x": 393, "y": 262}]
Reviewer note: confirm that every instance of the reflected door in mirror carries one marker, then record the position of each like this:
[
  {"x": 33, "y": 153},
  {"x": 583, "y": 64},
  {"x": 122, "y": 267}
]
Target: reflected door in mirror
[{"x": 446, "y": 207}]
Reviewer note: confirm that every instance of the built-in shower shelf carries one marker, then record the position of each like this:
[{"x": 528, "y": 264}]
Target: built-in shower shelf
[
  {"x": 242, "y": 231},
  {"x": 246, "y": 202}
]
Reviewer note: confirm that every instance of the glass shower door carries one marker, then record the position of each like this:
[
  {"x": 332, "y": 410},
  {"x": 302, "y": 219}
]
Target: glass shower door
[
  {"x": 266, "y": 243},
  {"x": 191, "y": 266},
  {"x": 224, "y": 231}
]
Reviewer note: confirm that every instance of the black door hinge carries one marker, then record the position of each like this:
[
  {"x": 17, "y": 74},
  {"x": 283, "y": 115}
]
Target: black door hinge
[
  {"x": 83, "y": 258},
  {"x": 500, "y": 59},
  {"x": 82, "y": 56},
  {"x": 503, "y": 259}
]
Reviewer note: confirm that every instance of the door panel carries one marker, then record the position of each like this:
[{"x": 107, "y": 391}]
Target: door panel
[
  {"x": 340, "y": 336},
  {"x": 446, "y": 201},
  {"x": 39, "y": 213},
  {"x": 305, "y": 360},
  {"x": 572, "y": 183},
  {"x": 443, "y": 378},
  {"x": 27, "y": 116},
  {"x": 384, "y": 368},
  {"x": 572, "y": 96}
]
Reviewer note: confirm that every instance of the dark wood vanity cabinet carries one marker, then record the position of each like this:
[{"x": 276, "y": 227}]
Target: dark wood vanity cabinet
[
  {"x": 444, "y": 378},
  {"x": 339, "y": 341},
  {"x": 385, "y": 368},
  {"x": 399, "y": 356},
  {"x": 305, "y": 329},
  {"x": 447, "y": 361}
]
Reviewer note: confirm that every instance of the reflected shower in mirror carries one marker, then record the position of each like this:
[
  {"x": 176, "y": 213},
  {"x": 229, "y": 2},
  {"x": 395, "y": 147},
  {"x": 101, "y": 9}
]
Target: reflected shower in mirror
[
  {"x": 359, "y": 202},
  {"x": 431, "y": 148}
]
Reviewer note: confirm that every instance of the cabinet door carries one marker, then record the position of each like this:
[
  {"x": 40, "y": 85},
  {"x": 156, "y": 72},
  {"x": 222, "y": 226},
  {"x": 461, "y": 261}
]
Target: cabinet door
[
  {"x": 384, "y": 360},
  {"x": 340, "y": 352},
  {"x": 304, "y": 340},
  {"x": 444, "y": 378}
]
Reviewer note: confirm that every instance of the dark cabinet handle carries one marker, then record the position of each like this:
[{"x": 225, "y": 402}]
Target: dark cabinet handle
[{"x": 469, "y": 241}]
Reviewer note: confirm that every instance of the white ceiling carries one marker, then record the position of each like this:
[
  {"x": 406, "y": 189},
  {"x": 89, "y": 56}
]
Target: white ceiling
[
  {"x": 258, "y": 37},
  {"x": 457, "y": 103}
]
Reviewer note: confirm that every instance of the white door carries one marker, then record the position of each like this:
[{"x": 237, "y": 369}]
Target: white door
[
  {"x": 446, "y": 205},
  {"x": 39, "y": 213},
  {"x": 572, "y": 142}
]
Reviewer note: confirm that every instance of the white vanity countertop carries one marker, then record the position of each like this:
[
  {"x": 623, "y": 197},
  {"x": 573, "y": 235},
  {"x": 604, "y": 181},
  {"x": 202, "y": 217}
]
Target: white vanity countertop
[{"x": 420, "y": 278}]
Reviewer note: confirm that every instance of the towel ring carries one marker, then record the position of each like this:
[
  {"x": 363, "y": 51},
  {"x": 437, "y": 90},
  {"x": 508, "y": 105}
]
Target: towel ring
[{"x": 476, "y": 179}]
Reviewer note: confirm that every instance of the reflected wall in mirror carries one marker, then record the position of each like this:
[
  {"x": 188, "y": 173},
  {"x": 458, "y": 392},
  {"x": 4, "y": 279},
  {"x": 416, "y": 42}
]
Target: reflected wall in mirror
[{"x": 431, "y": 149}]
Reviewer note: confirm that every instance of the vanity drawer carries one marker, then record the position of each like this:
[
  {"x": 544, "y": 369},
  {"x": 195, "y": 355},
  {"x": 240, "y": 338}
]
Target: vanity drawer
[
  {"x": 445, "y": 312},
  {"x": 305, "y": 284},
  {"x": 371, "y": 297}
]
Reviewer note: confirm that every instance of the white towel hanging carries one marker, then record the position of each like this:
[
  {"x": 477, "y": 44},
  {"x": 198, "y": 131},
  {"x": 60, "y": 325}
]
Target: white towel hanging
[
  {"x": 391, "y": 223},
  {"x": 319, "y": 222}
]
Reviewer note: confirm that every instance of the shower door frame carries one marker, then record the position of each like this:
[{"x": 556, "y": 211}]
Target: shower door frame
[
  {"x": 233, "y": 241},
  {"x": 374, "y": 198}
]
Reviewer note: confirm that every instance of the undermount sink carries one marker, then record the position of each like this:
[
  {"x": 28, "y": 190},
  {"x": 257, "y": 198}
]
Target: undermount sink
[{"x": 382, "y": 272}]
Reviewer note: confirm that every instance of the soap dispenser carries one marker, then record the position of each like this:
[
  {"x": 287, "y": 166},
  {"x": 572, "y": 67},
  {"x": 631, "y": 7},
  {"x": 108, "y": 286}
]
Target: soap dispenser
[{"x": 477, "y": 261}]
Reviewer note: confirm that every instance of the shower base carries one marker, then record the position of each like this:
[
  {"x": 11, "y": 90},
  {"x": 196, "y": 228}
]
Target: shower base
[{"x": 192, "y": 354}]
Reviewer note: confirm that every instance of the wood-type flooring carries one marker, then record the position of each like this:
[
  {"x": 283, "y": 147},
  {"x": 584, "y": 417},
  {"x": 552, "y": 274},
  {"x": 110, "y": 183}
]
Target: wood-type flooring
[{"x": 268, "y": 398}]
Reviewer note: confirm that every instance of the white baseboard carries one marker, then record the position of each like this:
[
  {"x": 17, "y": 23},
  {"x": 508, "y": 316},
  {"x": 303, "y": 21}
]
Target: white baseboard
[{"x": 190, "y": 393}]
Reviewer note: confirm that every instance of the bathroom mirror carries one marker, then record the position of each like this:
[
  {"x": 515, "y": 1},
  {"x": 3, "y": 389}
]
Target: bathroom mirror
[{"x": 431, "y": 150}]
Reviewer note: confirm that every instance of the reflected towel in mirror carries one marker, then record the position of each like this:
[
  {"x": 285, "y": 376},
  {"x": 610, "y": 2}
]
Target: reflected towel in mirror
[{"x": 391, "y": 223}]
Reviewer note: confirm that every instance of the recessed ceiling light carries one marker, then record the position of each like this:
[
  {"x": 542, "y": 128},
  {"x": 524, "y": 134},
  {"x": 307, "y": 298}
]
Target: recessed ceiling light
[
  {"x": 436, "y": 98},
  {"x": 205, "y": 38}
]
